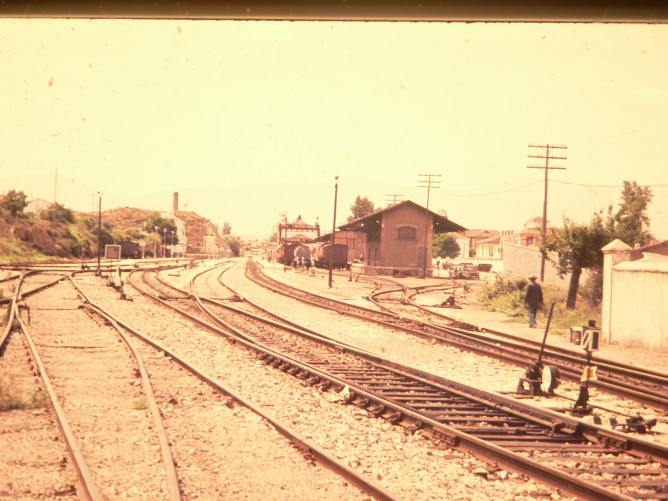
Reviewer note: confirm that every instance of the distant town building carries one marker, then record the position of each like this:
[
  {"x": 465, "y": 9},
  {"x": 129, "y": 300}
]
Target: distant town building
[
  {"x": 37, "y": 205},
  {"x": 210, "y": 246},
  {"x": 470, "y": 240},
  {"x": 529, "y": 236}
]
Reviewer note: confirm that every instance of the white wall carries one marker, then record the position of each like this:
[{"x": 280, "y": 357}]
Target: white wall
[
  {"x": 520, "y": 261},
  {"x": 638, "y": 315}
]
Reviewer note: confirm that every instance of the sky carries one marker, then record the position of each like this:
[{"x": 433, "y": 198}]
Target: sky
[{"x": 250, "y": 119}]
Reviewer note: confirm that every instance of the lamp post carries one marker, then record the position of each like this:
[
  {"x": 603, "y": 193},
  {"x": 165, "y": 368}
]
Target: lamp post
[
  {"x": 164, "y": 242},
  {"x": 331, "y": 248},
  {"x": 171, "y": 247},
  {"x": 155, "y": 245}
]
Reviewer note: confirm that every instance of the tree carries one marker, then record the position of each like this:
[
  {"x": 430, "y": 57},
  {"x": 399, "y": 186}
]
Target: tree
[
  {"x": 153, "y": 242},
  {"x": 14, "y": 202},
  {"x": 227, "y": 229},
  {"x": 578, "y": 246},
  {"x": 445, "y": 245},
  {"x": 631, "y": 223},
  {"x": 106, "y": 238},
  {"x": 360, "y": 208},
  {"x": 162, "y": 226},
  {"x": 58, "y": 213},
  {"x": 234, "y": 244}
]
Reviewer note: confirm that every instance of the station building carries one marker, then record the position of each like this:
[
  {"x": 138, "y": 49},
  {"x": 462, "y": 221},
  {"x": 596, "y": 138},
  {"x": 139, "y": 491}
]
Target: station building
[{"x": 397, "y": 239}]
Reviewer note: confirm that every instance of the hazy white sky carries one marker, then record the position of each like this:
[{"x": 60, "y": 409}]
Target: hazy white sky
[{"x": 247, "y": 119}]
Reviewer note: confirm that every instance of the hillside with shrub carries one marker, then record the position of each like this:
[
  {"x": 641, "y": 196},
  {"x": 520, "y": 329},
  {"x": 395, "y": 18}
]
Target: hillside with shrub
[
  {"x": 52, "y": 233},
  {"x": 60, "y": 233}
]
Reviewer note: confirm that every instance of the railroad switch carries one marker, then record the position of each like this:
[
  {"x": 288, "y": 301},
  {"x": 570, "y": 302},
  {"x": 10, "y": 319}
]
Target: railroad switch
[
  {"x": 634, "y": 424},
  {"x": 581, "y": 406},
  {"x": 539, "y": 380},
  {"x": 450, "y": 302},
  {"x": 586, "y": 336}
]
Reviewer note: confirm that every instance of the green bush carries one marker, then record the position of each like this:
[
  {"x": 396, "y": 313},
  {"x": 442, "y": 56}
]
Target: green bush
[{"x": 507, "y": 296}]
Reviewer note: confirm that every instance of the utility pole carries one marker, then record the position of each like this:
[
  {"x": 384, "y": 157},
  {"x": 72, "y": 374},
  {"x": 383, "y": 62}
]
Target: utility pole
[
  {"x": 331, "y": 248},
  {"x": 394, "y": 199},
  {"x": 99, "y": 235},
  {"x": 546, "y": 167},
  {"x": 428, "y": 181}
]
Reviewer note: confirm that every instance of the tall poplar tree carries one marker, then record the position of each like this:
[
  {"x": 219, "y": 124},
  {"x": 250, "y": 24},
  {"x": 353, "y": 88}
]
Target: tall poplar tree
[
  {"x": 360, "y": 208},
  {"x": 631, "y": 222}
]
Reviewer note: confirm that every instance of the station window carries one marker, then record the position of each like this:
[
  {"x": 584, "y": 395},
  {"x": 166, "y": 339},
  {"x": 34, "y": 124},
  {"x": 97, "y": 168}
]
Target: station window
[{"x": 406, "y": 233}]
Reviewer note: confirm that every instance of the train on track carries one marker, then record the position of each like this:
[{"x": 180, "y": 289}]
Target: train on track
[{"x": 313, "y": 254}]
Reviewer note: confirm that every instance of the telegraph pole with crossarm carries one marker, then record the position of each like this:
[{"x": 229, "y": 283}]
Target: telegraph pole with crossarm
[
  {"x": 393, "y": 199},
  {"x": 547, "y": 167},
  {"x": 429, "y": 181}
]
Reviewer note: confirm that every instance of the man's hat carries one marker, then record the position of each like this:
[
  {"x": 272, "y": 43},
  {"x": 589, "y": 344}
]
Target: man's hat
[{"x": 532, "y": 277}]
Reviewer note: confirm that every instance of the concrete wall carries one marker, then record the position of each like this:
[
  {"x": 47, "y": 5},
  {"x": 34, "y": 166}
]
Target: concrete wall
[
  {"x": 637, "y": 315},
  {"x": 519, "y": 261}
]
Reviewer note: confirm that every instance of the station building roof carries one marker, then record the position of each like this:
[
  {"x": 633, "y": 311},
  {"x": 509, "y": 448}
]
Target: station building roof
[{"x": 441, "y": 224}]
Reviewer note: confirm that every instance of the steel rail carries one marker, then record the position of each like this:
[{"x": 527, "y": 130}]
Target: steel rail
[
  {"x": 9, "y": 325},
  {"x": 89, "y": 490},
  {"x": 510, "y": 459},
  {"x": 662, "y": 377},
  {"x": 613, "y": 377},
  {"x": 301, "y": 443},
  {"x": 281, "y": 319},
  {"x": 35, "y": 289},
  {"x": 171, "y": 476},
  {"x": 515, "y": 353},
  {"x": 346, "y": 347}
]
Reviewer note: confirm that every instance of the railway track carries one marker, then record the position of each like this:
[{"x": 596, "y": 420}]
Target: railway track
[
  {"x": 581, "y": 459},
  {"x": 645, "y": 386},
  {"x": 182, "y": 302},
  {"x": 112, "y": 463},
  {"x": 66, "y": 341},
  {"x": 22, "y": 401}
]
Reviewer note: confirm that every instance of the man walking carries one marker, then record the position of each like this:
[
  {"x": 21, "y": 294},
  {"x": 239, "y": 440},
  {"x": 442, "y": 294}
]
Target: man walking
[{"x": 533, "y": 299}]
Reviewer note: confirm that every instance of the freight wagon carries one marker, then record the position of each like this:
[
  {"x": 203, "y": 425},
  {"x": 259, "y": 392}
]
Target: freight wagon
[{"x": 320, "y": 253}]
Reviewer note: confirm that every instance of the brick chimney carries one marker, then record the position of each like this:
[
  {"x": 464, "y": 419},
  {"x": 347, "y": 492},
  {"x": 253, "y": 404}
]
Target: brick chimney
[{"x": 175, "y": 206}]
